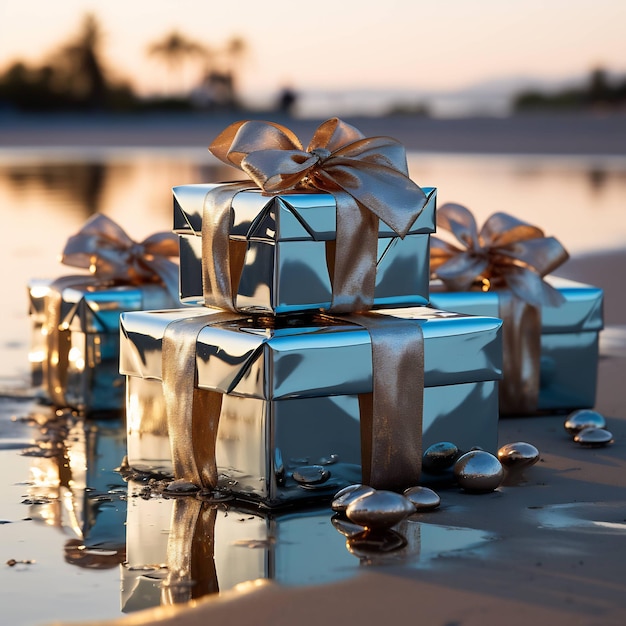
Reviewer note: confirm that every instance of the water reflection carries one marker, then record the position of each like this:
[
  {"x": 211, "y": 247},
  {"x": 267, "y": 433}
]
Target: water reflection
[
  {"x": 73, "y": 486},
  {"x": 80, "y": 185},
  {"x": 181, "y": 549}
]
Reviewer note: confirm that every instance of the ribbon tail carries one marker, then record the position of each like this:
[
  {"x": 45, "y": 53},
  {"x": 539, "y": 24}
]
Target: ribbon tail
[
  {"x": 192, "y": 414},
  {"x": 168, "y": 272},
  {"x": 391, "y": 446},
  {"x": 356, "y": 252},
  {"x": 521, "y": 338}
]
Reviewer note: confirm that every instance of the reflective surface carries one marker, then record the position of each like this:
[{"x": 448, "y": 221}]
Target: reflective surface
[{"x": 292, "y": 548}]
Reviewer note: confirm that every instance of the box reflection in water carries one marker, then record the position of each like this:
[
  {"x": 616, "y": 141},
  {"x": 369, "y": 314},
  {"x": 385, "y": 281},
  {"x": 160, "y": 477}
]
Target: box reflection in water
[
  {"x": 180, "y": 549},
  {"x": 73, "y": 486}
]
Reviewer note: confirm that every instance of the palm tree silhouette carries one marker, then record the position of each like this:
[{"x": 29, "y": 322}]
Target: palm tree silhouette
[{"x": 174, "y": 49}]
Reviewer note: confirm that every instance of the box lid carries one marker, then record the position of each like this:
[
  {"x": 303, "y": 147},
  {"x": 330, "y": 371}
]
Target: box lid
[
  {"x": 90, "y": 309},
  {"x": 310, "y": 357},
  {"x": 581, "y": 311},
  {"x": 256, "y": 215}
]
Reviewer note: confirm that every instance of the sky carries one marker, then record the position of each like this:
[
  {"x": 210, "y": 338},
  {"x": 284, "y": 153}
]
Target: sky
[{"x": 339, "y": 45}]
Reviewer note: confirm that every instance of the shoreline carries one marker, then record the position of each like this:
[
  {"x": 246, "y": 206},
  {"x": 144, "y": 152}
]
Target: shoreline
[{"x": 536, "y": 134}]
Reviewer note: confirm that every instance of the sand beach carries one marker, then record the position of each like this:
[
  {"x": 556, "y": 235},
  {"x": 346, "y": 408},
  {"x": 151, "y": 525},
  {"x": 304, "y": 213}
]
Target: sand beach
[{"x": 552, "y": 543}]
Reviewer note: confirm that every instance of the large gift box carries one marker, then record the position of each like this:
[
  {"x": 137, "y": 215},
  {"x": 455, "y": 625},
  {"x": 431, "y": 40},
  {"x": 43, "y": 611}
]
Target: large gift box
[
  {"x": 567, "y": 353},
  {"x": 339, "y": 226},
  {"x": 182, "y": 549},
  {"x": 286, "y": 403},
  {"x": 550, "y": 325},
  {"x": 282, "y": 244},
  {"x": 74, "y": 350}
]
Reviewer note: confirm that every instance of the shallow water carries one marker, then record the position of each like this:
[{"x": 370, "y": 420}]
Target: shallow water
[{"x": 79, "y": 526}]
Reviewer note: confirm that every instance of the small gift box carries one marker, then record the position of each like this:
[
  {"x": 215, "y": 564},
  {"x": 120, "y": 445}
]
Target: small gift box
[
  {"x": 182, "y": 549},
  {"x": 75, "y": 319},
  {"x": 339, "y": 226},
  {"x": 287, "y": 410},
  {"x": 550, "y": 325}
]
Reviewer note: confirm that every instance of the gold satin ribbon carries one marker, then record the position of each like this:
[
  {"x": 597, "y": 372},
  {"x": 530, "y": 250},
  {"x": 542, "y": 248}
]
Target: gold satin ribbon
[
  {"x": 58, "y": 338},
  {"x": 391, "y": 416},
  {"x": 112, "y": 257},
  {"x": 192, "y": 414},
  {"x": 368, "y": 178},
  {"x": 510, "y": 257}
]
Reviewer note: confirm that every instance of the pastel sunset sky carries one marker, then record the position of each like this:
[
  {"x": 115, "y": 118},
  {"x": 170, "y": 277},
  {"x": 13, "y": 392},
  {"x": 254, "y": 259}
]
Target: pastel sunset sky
[{"x": 339, "y": 44}]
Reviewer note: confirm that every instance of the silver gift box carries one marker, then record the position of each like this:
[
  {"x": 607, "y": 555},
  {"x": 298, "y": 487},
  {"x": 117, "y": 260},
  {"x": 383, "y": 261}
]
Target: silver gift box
[
  {"x": 89, "y": 329},
  {"x": 285, "y": 238},
  {"x": 292, "y": 394},
  {"x": 294, "y": 548},
  {"x": 569, "y": 339}
]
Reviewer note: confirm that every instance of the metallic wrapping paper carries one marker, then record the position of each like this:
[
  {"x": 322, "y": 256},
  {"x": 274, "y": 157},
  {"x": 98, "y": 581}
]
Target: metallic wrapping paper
[
  {"x": 90, "y": 327},
  {"x": 569, "y": 339},
  {"x": 292, "y": 394},
  {"x": 284, "y": 242}
]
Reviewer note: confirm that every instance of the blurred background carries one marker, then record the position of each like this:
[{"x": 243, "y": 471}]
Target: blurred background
[
  {"x": 502, "y": 106},
  {"x": 459, "y": 58}
]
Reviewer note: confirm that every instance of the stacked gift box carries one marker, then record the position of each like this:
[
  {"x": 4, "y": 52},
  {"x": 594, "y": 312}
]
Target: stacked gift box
[
  {"x": 313, "y": 349},
  {"x": 308, "y": 358}
]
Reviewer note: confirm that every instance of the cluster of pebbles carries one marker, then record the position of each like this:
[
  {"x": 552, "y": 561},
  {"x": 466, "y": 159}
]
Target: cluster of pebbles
[
  {"x": 588, "y": 428},
  {"x": 363, "y": 509}
]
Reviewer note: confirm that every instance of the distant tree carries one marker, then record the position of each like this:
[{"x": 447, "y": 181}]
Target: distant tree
[
  {"x": 598, "y": 92},
  {"x": 81, "y": 66},
  {"x": 174, "y": 49}
]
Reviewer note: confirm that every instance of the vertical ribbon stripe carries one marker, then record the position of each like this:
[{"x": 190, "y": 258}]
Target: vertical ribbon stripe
[
  {"x": 521, "y": 347},
  {"x": 392, "y": 418},
  {"x": 58, "y": 339},
  {"x": 192, "y": 414}
]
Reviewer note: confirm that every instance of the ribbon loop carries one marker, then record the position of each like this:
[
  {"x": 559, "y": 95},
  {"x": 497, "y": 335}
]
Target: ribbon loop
[{"x": 369, "y": 173}]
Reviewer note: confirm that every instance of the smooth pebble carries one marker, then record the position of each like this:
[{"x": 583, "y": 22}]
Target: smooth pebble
[
  {"x": 381, "y": 509},
  {"x": 478, "y": 471},
  {"x": 584, "y": 418}
]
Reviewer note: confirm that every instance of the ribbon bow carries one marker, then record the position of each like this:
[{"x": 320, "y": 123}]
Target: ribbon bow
[
  {"x": 506, "y": 252},
  {"x": 367, "y": 176},
  {"x": 104, "y": 248},
  {"x": 339, "y": 157}
]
